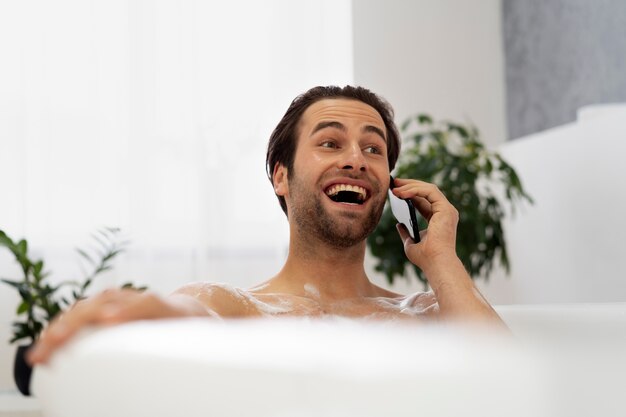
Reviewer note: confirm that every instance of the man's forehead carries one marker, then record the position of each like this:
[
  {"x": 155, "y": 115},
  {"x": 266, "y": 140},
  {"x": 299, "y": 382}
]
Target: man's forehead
[{"x": 341, "y": 109}]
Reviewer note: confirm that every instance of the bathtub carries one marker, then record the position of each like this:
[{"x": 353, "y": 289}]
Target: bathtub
[{"x": 564, "y": 360}]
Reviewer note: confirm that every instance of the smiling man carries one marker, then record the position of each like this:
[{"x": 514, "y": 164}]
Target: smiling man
[{"x": 329, "y": 160}]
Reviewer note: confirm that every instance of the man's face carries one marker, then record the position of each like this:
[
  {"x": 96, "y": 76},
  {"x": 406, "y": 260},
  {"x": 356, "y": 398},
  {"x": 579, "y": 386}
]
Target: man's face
[{"x": 337, "y": 188}]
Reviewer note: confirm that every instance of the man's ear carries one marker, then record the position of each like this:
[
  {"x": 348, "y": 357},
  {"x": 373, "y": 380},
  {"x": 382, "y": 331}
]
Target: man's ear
[{"x": 281, "y": 185}]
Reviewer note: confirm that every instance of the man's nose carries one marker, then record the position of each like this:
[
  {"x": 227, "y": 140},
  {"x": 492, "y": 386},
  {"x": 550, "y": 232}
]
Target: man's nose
[{"x": 353, "y": 158}]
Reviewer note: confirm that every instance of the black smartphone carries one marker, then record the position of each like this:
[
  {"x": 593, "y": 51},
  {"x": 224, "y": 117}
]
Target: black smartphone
[{"x": 404, "y": 212}]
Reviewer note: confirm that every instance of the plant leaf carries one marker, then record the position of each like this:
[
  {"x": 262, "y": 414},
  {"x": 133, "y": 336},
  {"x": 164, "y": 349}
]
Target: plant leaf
[
  {"x": 102, "y": 268},
  {"x": 16, "y": 284},
  {"x": 22, "y": 308},
  {"x": 424, "y": 119},
  {"x": 22, "y": 247},
  {"x": 5, "y": 240},
  {"x": 405, "y": 124},
  {"x": 86, "y": 256},
  {"x": 37, "y": 268},
  {"x": 102, "y": 241}
]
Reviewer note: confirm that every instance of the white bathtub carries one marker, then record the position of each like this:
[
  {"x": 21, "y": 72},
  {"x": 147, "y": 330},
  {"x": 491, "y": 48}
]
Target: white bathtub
[{"x": 566, "y": 360}]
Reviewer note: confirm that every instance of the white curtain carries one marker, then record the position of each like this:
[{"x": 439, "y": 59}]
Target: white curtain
[{"x": 154, "y": 116}]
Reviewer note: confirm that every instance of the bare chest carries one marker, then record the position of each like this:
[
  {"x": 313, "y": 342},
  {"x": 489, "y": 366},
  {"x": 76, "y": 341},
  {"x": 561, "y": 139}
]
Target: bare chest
[{"x": 376, "y": 307}]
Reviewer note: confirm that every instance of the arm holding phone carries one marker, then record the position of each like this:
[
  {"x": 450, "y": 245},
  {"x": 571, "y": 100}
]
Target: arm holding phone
[{"x": 435, "y": 253}]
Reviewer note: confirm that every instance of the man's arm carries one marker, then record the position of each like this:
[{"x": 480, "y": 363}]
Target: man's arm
[
  {"x": 435, "y": 254},
  {"x": 118, "y": 306}
]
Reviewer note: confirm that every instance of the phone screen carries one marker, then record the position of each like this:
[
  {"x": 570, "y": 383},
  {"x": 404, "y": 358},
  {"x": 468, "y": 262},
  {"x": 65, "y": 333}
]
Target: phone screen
[{"x": 404, "y": 212}]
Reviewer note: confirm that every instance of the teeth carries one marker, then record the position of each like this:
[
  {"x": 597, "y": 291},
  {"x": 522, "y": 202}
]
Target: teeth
[{"x": 347, "y": 187}]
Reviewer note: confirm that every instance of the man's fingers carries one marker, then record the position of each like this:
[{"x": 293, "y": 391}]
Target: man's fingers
[
  {"x": 58, "y": 332},
  {"x": 411, "y": 188},
  {"x": 417, "y": 190},
  {"x": 110, "y": 307},
  {"x": 100, "y": 309},
  {"x": 430, "y": 192},
  {"x": 423, "y": 206},
  {"x": 404, "y": 235}
]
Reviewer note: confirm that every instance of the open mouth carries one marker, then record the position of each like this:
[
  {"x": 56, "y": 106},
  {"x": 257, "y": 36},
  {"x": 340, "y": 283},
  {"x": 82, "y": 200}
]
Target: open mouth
[{"x": 347, "y": 194}]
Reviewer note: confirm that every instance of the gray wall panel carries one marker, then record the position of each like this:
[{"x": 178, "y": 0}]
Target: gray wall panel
[{"x": 561, "y": 55}]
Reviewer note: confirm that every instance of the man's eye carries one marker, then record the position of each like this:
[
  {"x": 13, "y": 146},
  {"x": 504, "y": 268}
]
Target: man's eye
[
  {"x": 328, "y": 145},
  {"x": 373, "y": 149}
]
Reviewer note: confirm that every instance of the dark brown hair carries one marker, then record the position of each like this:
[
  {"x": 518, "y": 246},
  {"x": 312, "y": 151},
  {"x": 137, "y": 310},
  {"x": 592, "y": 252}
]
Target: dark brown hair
[{"x": 281, "y": 148}]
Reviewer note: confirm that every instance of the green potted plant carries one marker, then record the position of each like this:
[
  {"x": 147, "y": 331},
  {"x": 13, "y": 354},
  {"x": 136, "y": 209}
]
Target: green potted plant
[
  {"x": 473, "y": 179},
  {"x": 41, "y": 301}
]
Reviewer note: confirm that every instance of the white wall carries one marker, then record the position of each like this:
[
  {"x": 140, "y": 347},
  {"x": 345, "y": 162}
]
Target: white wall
[
  {"x": 445, "y": 58},
  {"x": 442, "y": 57},
  {"x": 569, "y": 246},
  {"x": 154, "y": 116}
]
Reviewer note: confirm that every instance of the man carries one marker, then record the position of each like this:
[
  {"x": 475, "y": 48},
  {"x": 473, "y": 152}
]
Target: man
[{"x": 329, "y": 160}]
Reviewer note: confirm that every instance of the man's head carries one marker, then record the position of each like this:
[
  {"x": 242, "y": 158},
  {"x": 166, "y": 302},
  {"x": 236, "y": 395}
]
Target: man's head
[{"x": 283, "y": 142}]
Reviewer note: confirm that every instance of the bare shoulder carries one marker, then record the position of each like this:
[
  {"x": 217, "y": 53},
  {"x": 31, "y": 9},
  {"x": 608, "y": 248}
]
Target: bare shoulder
[
  {"x": 382, "y": 292},
  {"x": 423, "y": 303},
  {"x": 204, "y": 288},
  {"x": 223, "y": 299}
]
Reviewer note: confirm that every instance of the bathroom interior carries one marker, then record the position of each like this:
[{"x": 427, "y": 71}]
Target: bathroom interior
[{"x": 153, "y": 117}]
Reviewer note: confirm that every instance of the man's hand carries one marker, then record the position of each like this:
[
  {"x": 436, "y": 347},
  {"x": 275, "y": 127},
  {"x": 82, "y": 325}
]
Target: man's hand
[
  {"x": 107, "y": 308},
  {"x": 438, "y": 242},
  {"x": 435, "y": 254}
]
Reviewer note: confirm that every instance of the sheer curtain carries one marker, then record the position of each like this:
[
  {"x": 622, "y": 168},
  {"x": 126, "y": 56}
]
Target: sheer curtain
[{"x": 154, "y": 116}]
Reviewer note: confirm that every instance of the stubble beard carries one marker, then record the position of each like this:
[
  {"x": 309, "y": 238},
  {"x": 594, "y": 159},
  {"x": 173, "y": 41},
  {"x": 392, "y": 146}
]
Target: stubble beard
[{"x": 340, "y": 230}]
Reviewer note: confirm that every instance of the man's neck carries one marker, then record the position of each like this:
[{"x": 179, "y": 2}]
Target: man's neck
[{"x": 317, "y": 270}]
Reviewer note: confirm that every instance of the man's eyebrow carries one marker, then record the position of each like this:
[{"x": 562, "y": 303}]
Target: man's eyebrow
[
  {"x": 324, "y": 125},
  {"x": 340, "y": 126},
  {"x": 374, "y": 129}
]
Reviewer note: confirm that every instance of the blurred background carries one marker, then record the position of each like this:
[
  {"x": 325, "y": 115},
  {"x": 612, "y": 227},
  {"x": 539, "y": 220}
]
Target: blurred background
[{"x": 153, "y": 116}]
